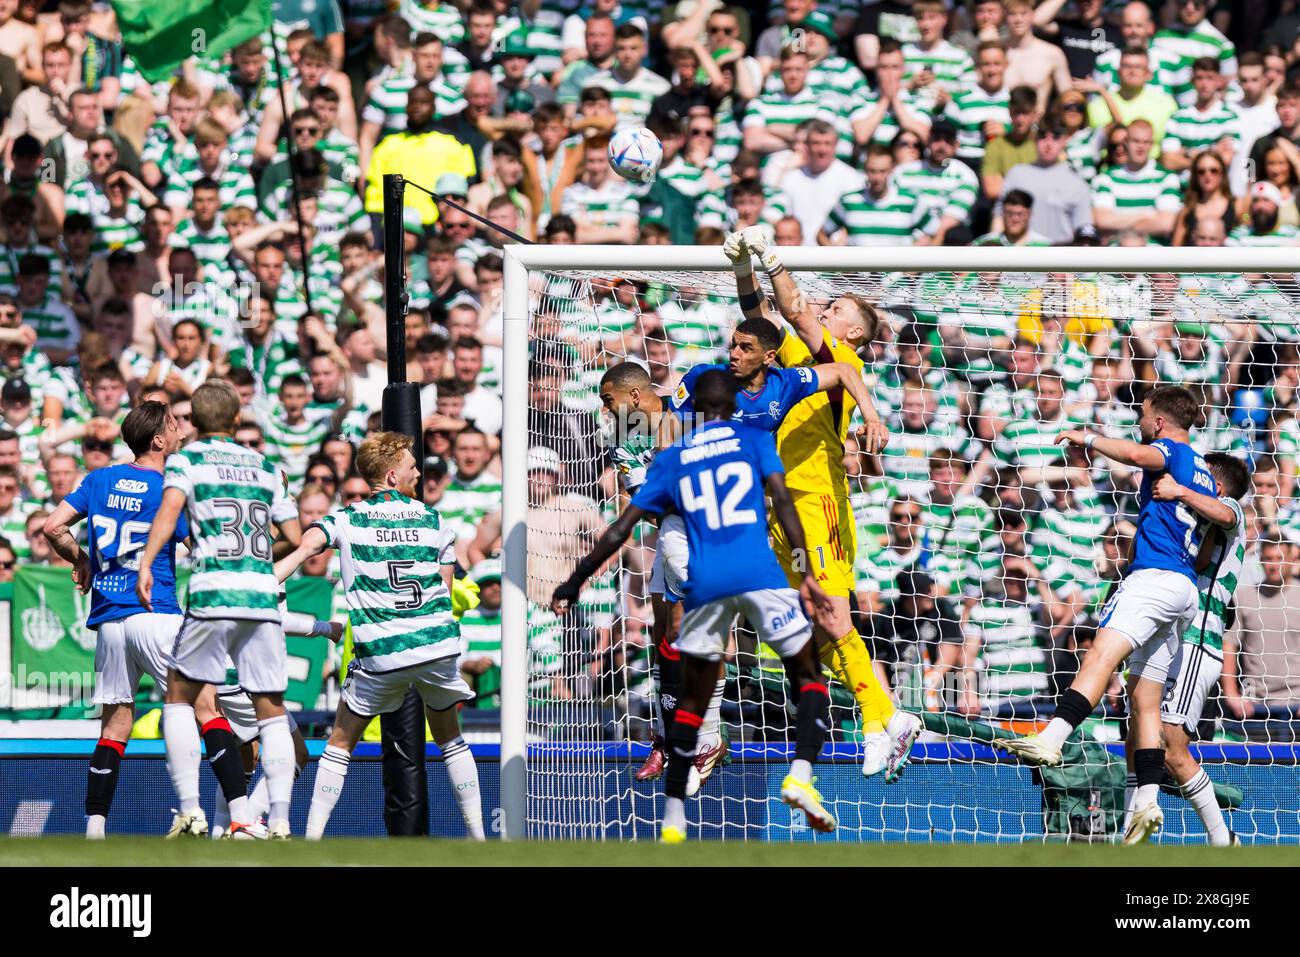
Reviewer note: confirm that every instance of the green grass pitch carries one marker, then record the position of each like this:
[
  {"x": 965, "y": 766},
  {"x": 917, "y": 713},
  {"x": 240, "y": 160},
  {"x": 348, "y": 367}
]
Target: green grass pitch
[{"x": 355, "y": 852}]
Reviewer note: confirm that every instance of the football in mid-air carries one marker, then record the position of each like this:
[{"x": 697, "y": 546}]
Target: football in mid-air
[{"x": 635, "y": 154}]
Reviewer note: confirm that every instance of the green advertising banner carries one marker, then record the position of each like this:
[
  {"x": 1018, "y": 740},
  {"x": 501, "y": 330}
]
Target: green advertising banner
[{"x": 52, "y": 657}]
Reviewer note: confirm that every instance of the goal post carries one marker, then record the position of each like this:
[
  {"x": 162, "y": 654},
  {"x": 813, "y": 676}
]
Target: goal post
[{"x": 536, "y": 771}]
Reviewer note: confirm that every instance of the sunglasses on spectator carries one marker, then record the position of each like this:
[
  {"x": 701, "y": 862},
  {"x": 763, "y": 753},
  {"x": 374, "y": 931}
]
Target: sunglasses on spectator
[
  {"x": 101, "y": 155},
  {"x": 703, "y": 131},
  {"x": 724, "y": 31},
  {"x": 322, "y": 478},
  {"x": 1075, "y": 107},
  {"x": 911, "y": 144},
  {"x": 91, "y": 445},
  {"x": 8, "y": 486},
  {"x": 1201, "y": 171},
  {"x": 351, "y": 496},
  {"x": 306, "y": 131},
  {"x": 905, "y": 516},
  {"x": 8, "y": 564},
  {"x": 451, "y": 226}
]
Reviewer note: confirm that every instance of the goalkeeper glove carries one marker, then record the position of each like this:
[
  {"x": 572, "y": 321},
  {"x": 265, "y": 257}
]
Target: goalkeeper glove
[
  {"x": 735, "y": 249},
  {"x": 759, "y": 241}
]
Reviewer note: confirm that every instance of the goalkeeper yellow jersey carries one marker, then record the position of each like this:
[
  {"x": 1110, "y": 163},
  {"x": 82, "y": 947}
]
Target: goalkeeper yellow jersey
[{"x": 810, "y": 440}]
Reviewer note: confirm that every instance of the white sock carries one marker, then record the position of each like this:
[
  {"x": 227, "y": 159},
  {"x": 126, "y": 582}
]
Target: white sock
[
  {"x": 1200, "y": 792},
  {"x": 801, "y": 770},
  {"x": 95, "y": 826},
  {"x": 277, "y": 765},
  {"x": 1057, "y": 730},
  {"x": 464, "y": 782},
  {"x": 331, "y": 770},
  {"x": 660, "y": 730},
  {"x": 1146, "y": 794},
  {"x": 181, "y": 736},
  {"x": 1130, "y": 792},
  {"x": 712, "y": 714},
  {"x": 675, "y": 813},
  {"x": 259, "y": 801},
  {"x": 221, "y": 819}
]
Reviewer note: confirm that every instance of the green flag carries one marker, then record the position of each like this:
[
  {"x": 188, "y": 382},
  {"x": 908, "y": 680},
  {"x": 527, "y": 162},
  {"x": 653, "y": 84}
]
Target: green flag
[
  {"x": 53, "y": 653},
  {"x": 160, "y": 35}
]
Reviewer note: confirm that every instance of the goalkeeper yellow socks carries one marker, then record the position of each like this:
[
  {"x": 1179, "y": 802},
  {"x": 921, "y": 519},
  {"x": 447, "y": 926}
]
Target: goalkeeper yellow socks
[{"x": 849, "y": 661}]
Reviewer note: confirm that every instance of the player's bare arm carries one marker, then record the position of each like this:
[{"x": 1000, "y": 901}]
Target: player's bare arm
[
  {"x": 814, "y": 598},
  {"x": 873, "y": 436},
  {"x": 160, "y": 533},
  {"x": 1208, "y": 507},
  {"x": 1125, "y": 452},
  {"x": 608, "y": 544},
  {"x": 313, "y": 543},
  {"x": 65, "y": 544}
]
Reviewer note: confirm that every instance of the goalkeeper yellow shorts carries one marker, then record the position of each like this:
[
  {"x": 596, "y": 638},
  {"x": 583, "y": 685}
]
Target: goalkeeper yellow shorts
[{"x": 829, "y": 530}]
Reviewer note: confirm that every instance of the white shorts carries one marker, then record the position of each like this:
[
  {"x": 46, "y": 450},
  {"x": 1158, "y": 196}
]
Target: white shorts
[
  {"x": 439, "y": 683},
  {"x": 775, "y": 613},
  {"x": 205, "y": 646},
  {"x": 237, "y": 706},
  {"x": 1152, "y": 607},
  {"x": 668, "y": 573},
  {"x": 128, "y": 648},
  {"x": 1190, "y": 674}
]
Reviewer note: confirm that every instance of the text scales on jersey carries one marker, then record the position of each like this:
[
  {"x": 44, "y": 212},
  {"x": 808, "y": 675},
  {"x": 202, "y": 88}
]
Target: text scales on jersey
[
  {"x": 1169, "y": 534},
  {"x": 232, "y": 497},
  {"x": 119, "y": 503},
  {"x": 392, "y": 550},
  {"x": 715, "y": 479}
]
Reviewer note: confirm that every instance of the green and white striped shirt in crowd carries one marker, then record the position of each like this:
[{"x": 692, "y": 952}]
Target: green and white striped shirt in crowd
[
  {"x": 338, "y": 211},
  {"x": 699, "y": 324},
  {"x": 1173, "y": 367},
  {"x": 870, "y": 499},
  {"x": 1031, "y": 443},
  {"x": 728, "y": 138},
  {"x": 194, "y": 374},
  {"x": 234, "y": 185},
  {"x": 921, "y": 103},
  {"x": 951, "y": 65},
  {"x": 906, "y": 459},
  {"x": 610, "y": 205},
  {"x": 543, "y": 36},
  {"x": 970, "y": 109},
  {"x": 161, "y": 147},
  {"x": 467, "y": 500},
  {"x": 392, "y": 551},
  {"x": 1164, "y": 65},
  {"x": 272, "y": 360},
  {"x": 1282, "y": 235},
  {"x": 895, "y": 219},
  {"x": 987, "y": 321},
  {"x": 955, "y": 533},
  {"x": 715, "y": 209},
  {"x": 480, "y": 637},
  {"x": 1191, "y": 130},
  {"x": 443, "y": 20},
  {"x": 55, "y": 324},
  {"x": 339, "y": 152},
  {"x": 387, "y": 103},
  {"x": 1186, "y": 45},
  {"x": 290, "y": 446},
  {"x": 13, "y": 526},
  {"x": 11, "y": 256},
  {"x": 1066, "y": 542},
  {"x": 780, "y": 110},
  {"x": 630, "y": 98},
  {"x": 118, "y": 232},
  {"x": 232, "y": 495},
  {"x": 211, "y": 247},
  {"x": 834, "y": 75},
  {"x": 1081, "y": 153},
  {"x": 1151, "y": 188},
  {"x": 1015, "y": 664},
  {"x": 545, "y": 650},
  {"x": 879, "y": 574},
  {"x": 947, "y": 191}
]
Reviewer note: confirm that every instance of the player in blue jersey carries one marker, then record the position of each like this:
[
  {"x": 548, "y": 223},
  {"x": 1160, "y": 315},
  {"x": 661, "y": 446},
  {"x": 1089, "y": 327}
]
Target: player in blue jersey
[
  {"x": 766, "y": 391},
  {"x": 120, "y": 502},
  {"x": 1154, "y": 602},
  {"x": 714, "y": 478}
]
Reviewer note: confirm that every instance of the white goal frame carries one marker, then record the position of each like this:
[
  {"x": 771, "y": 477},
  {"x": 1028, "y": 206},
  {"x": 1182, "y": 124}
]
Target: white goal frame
[{"x": 521, "y": 260}]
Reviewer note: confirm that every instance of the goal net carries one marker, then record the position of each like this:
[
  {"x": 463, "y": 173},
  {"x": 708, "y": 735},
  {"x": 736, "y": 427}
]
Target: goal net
[{"x": 984, "y": 552}]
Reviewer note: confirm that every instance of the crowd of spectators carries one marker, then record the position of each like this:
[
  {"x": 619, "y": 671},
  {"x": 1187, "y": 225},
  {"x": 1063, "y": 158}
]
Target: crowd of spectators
[{"x": 157, "y": 234}]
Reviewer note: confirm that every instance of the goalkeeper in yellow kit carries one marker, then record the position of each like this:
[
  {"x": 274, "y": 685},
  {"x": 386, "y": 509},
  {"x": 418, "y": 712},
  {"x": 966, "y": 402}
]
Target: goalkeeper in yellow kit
[{"x": 811, "y": 445}]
